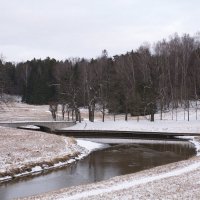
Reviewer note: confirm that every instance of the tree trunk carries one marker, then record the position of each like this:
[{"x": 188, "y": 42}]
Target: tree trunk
[
  {"x": 184, "y": 111},
  {"x": 152, "y": 112},
  {"x": 68, "y": 115},
  {"x": 126, "y": 113},
  {"x": 196, "y": 109},
  {"x": 79, "y": 116},
  {"x": 126, "y": 109},
  {"x": 72, "y": 115},
  {"x": 161, "y": 114},
  {"x": 188, "y": 109},
  {"x": 126, "y": 116},
  {"x": 91, "y": 109},
  {"x": 103, "y": 117},
  {"x": 76, "y": 114},
  {"x": 161, "y": 110},
  {"x": 152, "y": 117},
  {"x": 63, "y": 115},
  {"x": 103, "y": 113},
  {"x": 63, "y": 111},
  {"x": 54, "y": 116},
  {"x": 90, "y": 113}
]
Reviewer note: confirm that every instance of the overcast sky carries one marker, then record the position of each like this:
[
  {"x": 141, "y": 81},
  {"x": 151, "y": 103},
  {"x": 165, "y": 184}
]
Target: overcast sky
[{"x": 83, "y": 28}]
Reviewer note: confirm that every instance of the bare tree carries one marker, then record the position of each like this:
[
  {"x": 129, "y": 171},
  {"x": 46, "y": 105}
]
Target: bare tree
[{"x": 53, "y": 108}]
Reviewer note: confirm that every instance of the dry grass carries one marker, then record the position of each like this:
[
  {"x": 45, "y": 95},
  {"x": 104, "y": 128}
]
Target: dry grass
[
  {"x": 23, "y": 112},
  {"x": 21, "y": 150}
]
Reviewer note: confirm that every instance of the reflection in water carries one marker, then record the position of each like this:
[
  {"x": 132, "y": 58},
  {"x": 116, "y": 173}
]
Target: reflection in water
[{"x": 100, "y": 165}]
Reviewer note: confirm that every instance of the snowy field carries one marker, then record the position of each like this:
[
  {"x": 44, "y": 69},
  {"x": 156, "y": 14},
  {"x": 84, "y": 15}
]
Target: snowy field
[
  {"x": 24, "y": 112},
  {"x": 143, "y": 125},
  {"x": 171, "y": 122},
  {"x": 16, "y": 111}
]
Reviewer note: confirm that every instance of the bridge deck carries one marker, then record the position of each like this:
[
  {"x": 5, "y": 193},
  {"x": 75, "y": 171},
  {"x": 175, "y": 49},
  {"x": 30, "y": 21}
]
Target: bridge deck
[
  {"x": 120, "y": 134},
  {"x": 52, "y": 125}
]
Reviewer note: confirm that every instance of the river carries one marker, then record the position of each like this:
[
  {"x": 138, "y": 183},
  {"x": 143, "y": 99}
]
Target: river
[{"x": 118, "y": 159}]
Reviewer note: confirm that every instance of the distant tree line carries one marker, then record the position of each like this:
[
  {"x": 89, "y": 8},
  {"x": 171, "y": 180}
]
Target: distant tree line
[{"x": 140, "y": 82}]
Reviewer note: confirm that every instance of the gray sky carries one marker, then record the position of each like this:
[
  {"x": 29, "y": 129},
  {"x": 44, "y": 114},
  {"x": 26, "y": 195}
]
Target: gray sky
[{"x": 83, "y": 28}]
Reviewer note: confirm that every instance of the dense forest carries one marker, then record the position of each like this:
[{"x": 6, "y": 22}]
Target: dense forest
[{"x": 139, "y": 82}]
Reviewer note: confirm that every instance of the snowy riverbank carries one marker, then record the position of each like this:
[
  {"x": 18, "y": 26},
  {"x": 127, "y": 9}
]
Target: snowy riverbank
[
  {"x": 178, "y": 180},
  {"x": 24, "y": 153}
]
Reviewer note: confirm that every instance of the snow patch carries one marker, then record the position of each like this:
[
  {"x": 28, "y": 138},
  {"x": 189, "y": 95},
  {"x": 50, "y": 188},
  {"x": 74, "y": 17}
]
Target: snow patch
[
  {"x": 31, "y": 127},
  {"x": 5, "y": 178},
  {"x": 36, "y": 169},
  {"x": 197, "y": 145},
  {"x": 90, "y": 146},
  {"x": 193, "y": 140}
]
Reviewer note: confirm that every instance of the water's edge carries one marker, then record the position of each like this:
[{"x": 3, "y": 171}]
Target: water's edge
[{"x": 101, "y": 165}]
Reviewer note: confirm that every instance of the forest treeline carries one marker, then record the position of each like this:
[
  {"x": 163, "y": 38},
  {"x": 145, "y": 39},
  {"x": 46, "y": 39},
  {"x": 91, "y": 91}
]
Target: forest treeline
[{"x": 139, "y": 82}]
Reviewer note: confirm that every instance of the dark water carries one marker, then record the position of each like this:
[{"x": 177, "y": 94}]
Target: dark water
[{"x": 100, "y": 165}]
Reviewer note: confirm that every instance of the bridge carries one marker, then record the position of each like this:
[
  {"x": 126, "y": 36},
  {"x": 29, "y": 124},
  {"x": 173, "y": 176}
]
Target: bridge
[
  {"x": 121, "y": 134},
  {"x": 56, "y": 126},
  {"x": 43, "y": 125}
]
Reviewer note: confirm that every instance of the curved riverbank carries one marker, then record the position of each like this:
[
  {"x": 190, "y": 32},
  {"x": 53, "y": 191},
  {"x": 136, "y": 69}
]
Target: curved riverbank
[
  {"x": 25, "y": 153},
  {"x": 178, "y": 180}
]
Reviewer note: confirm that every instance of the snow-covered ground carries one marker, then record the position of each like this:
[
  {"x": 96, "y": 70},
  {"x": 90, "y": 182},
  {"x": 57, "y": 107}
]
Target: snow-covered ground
[
  {"x": 173, "y": 181},
  {"x": 177, "y": 123},
  {"x": 143, "y": 125},
  {"x": 25, "y": 152}
]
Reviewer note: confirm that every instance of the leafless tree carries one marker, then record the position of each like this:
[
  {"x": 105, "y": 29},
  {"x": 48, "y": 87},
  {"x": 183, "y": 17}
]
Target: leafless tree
[{"x": 53, "y": 108}]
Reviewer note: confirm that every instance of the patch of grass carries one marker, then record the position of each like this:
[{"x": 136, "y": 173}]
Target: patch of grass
[{"x": 28, "y": 167}]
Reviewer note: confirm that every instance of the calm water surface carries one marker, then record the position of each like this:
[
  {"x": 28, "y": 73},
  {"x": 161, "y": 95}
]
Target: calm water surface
[{"x": 100, "y": 165}]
